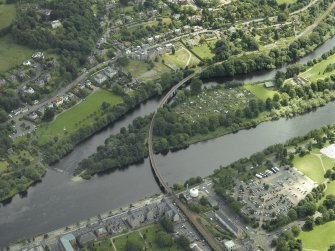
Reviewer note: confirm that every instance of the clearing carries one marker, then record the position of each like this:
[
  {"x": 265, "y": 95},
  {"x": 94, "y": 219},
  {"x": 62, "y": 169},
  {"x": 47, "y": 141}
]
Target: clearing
[
  {"x": 314, "y": 165},
  {"x": 205, "y": 50},
  {"x": 80, "y": 115},
  {"x": 145, "y": 237},
  {"x": 180, "y": 59},
  {"x": 260, "y": 91},
  {"x": 320, "y": 238},
  {"x": 318, "y": 70},
  {"x": 7, "y": 14},
  {"x": 12, "y": 54}
]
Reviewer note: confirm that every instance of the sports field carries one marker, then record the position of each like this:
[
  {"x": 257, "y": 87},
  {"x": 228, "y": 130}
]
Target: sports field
[
  {"x": 320, "y": 238},
  {"x": 12, "y": 54},
  {"x": 314, "y": 165},
  {"x": 80, "y": 115}
]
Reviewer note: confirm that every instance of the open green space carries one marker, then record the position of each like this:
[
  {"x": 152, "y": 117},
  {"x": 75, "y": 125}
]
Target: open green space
[
  {"x": 78, "y": 116},
  {"x": 12, "y": 54},
  {"x": 20, "y": 156},
  {"x": 143, "y": 71},
  {"x": 180, "y": 59},
  {"x": 260, "y": 91},
  {"x": 312, "y": 167},
  {"x": 204, "y": 50},
  {"x": 317, "y": 71},
  {"x": 320, "y": 238},
  {"x": 7, "y": 14},
  {"x": 145, "y": 237},
  {"x": 102, "y": 245}
]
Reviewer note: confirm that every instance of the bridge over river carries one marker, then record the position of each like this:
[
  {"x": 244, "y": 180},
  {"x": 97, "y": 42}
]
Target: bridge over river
[{"x": 192, "y": 217}]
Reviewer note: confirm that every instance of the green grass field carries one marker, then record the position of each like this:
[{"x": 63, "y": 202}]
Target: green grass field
[
  {"x": 204, "y": 50},
  {"x": 76, "y": 116},
  {"x": 7, "y": 14},
  {"x": 312, "y": 167},
  {"x": 148, "y": 243},
  {"x": 102, "y": 245},
  {"x": 317, "y": 71},
  {"x": 12, "y": 54},
  {"x": 180, "y": 59},
  {"x": 320, "y": 238},
  {"x": 260, "y": 91}
]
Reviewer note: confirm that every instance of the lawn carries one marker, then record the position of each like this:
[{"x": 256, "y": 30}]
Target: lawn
[
  {"x": 317, "y": 71},
  {"x": 320, "y": 238},
  {"x": 149, "y": 242},
  {"x": 12, "y": 54},
  {"x": 204, "y": 50},
  {"x": 311, "y": 165},
  {"x": 180, "y": 59},
  {"x": 18, "y": 157},
  {"x": 77, "y": 116},
  {"x": 7, "y": 14},
  {"x": 102, "y": 245},
  {"x": 142, "y": 70},
  {"x": 260, "y": 91}
]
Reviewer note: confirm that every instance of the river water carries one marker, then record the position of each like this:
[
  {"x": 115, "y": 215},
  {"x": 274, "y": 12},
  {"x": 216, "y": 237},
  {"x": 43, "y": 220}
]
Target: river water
[{"x": 59, "y": 200}]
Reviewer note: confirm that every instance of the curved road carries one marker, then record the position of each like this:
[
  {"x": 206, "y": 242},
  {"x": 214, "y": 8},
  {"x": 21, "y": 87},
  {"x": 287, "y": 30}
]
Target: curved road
[{"x": 192, "y": 217}]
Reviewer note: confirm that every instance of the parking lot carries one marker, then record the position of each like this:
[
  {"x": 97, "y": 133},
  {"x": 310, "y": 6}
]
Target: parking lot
[{"x": 272, "y": 195}]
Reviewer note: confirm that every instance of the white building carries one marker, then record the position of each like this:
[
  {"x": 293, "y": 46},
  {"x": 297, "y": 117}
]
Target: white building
[{"x": 229, "y": 245}]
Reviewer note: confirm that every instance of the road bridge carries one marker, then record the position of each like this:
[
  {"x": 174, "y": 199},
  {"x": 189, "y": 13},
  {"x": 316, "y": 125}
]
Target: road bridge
[{"x": 192, "y": 217}]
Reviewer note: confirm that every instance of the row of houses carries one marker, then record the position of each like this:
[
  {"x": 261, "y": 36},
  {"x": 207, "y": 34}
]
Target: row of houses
[
  {"x": 149, "y": 54},
  {"x": 104, "y": 74},
  {"x": 132, "y": 219}
]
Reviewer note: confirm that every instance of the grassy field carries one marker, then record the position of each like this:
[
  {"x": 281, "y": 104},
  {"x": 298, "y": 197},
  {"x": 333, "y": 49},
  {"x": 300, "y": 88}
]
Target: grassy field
[
  {"x": 312, "y": 167},
  {"x": 260, "y": 91},
  {"x": 18, "y": 157},
  {"x": 317, "y": 71},
  {"x": 180, "y": 59},
  {"x": 12, "y": 54},
  {"x": 142, "y": 70},
  {"x": 102, "y": 245},
  {"x": 320, "y": 238},
  {"x": 137, "y": 236},
  {"x": 7, "y": 15},
  {"x": 204, "y": 50},
  {"x": 77, "y": 116}
]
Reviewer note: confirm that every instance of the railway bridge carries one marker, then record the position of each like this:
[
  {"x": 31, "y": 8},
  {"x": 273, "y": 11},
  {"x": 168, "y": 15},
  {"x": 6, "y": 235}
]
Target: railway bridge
[{"x": 192, "y": 217}]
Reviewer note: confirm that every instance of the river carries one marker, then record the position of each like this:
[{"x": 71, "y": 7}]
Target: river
[{"x": 59, "y": 200}]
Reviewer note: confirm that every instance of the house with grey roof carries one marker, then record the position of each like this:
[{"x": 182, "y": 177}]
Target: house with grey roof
[{"x": 68, "y": 242}]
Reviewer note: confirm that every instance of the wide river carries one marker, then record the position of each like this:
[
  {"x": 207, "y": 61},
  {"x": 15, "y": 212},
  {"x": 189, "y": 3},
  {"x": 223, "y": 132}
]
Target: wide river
[{"x": 58, "y": 200}]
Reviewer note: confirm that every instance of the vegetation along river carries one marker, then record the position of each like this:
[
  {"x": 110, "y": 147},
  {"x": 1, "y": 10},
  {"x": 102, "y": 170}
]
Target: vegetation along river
[{"x": 59, "y": 200}]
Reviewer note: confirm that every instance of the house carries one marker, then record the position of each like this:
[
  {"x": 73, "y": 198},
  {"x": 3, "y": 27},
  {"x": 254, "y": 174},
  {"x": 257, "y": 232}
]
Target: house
[
  {"x": 177, "y": 31},
  {"x": 157, "y": 37},
  {"x": 135, "y": 218},
  {"x": 44, "y": 12},
  {"x": 28, "y": 90},
  {"x": 86, "y": 238},
  {"x": 100, "y": 78},
  {"x": 33, "y": 116},
  {"x": 55, "y": 24},
  {"x": 110, "y": 72},
  {"x": 38, "y": 55},
  {"x": 194, "y": 246},
  {"x": 229, "y": 245},
  {"x": 101, "y": 232},
  {"x": 232, "y": 29},
  {"x": 68, "y": 242},
  {"x": 58, "y": 101},
  {"x": 27, "y": 63},
  {"x": 150, "y": 40}
]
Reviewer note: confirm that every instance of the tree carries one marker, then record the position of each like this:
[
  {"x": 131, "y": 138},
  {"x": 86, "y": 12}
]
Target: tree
[
  {"x": 48, "y": 114},
  {"x": 183, "y": 242},
  {"x": 296, "y": 230},
  {"x": 131, "y": 245},
  {"x": 309, "y": 223},
  {"x": 167, "y": 224},
  {"x": 196, "y": 85},
  {"x": 164, "y": 240}
]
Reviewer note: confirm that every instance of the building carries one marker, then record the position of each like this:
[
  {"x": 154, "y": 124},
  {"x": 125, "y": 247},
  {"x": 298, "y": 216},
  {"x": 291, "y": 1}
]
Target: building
[
  {"x": 101, "y": 232},
  {"x": 227, "y": 223},
  {"x": 229, "y": 245},
  {"x": 68, "y": 242},
  {"x": 100, "y": 78},
  {"x": 86, "y": 238},
  {"x": 55, "y": 24},
  {"x": 110, "y": 72}
]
